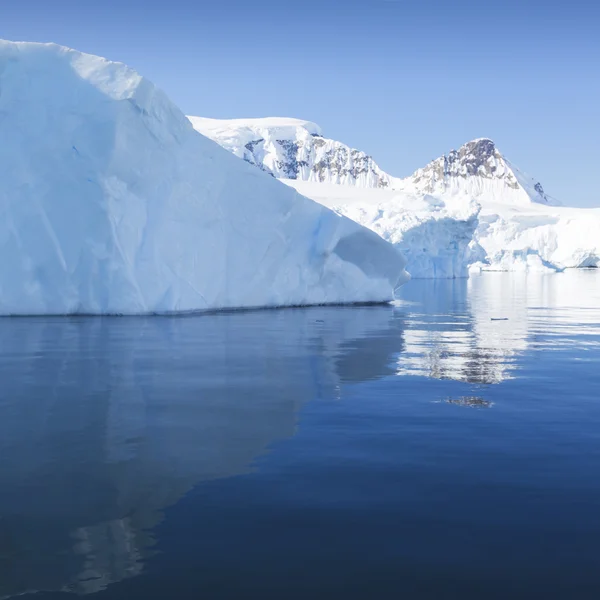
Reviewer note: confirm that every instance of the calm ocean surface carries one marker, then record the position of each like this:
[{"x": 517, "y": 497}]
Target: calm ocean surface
[{"x": 446, "y": 447}]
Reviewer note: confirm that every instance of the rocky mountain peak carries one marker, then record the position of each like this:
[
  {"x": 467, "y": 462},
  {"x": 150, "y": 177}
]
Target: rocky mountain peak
[
  {"x": 479, "y": 170},
  {"x": 475, "y": 154},
  {"x": 294, "y": 149},
  {"x": 478, "y": 158}
]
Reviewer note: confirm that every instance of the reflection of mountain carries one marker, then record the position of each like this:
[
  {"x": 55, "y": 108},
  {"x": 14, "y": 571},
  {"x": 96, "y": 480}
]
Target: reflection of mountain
[
  {"x": 475, "y": 330},
  {"x": 108, "y": 421}
]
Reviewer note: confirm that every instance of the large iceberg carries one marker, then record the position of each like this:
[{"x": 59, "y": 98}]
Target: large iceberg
[{"x": 110, "y": 202}]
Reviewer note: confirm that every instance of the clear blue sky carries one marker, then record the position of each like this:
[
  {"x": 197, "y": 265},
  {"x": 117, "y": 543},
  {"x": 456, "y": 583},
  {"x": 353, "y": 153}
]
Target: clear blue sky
[{"x": 404, "y": 81}]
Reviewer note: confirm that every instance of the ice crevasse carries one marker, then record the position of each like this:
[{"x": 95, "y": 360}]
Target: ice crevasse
[{"x": 111, "y": 203}]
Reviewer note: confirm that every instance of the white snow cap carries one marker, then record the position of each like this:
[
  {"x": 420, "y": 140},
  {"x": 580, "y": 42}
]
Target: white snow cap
[
  {"x": 287, "y": 126},
  {"x": 112, "y": 203}
]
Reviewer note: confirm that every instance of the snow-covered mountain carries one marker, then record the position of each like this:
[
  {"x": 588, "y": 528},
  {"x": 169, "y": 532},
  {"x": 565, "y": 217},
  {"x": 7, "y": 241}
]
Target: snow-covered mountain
[
  {"x": 294, "y": 149},
  {"x": 519, "y": 227},
  {"x": 477, "y": 170},
  {"x": 112, "y": 203}
]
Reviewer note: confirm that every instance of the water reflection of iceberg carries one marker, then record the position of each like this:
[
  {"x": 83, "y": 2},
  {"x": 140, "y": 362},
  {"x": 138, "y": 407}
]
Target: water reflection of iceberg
[
  {"x": 105, "y": 422},
  {"x": 475, "y": 330},
  {"x": 450, "y": 335}
]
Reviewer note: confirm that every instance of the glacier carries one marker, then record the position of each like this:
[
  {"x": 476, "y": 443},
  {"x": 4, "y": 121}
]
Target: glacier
[
  {"x": 112, "y": 203},
  {"x": 435, "y": 237},
  {"x": 538, "y": 238},
  {"x": 475, "y": 191}
]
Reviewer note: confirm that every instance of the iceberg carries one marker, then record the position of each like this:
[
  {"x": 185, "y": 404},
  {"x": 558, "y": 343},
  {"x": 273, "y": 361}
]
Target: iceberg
[{"x": 112, "y": 203}]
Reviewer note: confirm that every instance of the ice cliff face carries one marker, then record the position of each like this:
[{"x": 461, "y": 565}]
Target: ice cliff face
[
  {"x": 436, "y": 237},
  {"x": 539, "y": 238},
  {"x": 294, "y": 149},
  {"x": 110, "y": 202}
]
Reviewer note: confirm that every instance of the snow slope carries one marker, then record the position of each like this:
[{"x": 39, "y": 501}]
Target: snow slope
[
  {"x": 436, "y": 237},
  {"x": 110, "y": 202},
  {"x": 294, "y": 149}
]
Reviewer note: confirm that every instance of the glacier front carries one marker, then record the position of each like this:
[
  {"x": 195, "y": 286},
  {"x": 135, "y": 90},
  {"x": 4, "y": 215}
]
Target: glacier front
[
  {"x": 533, "y": 237},
  {"x": 111, "y": 203},
  {"x": 435, "y": 236}
]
